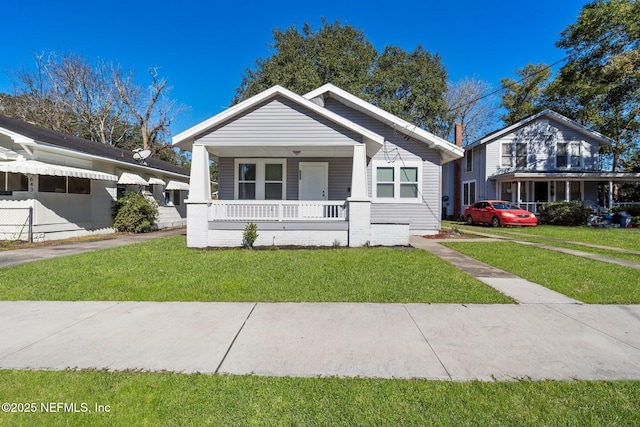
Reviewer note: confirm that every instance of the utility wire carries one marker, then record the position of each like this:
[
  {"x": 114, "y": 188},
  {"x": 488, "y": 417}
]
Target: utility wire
[{"x": 481, "y": 97}]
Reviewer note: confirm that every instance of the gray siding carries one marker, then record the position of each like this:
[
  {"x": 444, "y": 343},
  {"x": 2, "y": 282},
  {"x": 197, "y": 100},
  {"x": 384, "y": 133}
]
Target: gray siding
[
  {"x": 420, "y": 216},
  {"x": 279, "y": 121},
  {"x": 542, "y": 137},
  {"x": 339, "y": 176}
]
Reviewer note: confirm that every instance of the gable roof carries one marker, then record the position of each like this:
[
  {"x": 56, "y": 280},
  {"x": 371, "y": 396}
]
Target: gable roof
[
  {"x": 31, "y": 135},
  {"x": 549, "y": 114},
  {"x": 185, "y": 139},
  {"x": 448, "y": 150}
]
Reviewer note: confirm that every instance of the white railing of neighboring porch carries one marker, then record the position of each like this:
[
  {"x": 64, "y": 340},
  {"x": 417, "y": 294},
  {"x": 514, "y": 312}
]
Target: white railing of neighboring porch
[{"x": 277, "y": 210}]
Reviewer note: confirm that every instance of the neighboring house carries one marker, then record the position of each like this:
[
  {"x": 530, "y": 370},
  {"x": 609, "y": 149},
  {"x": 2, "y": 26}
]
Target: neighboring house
[
  {"x": 70, "y": 184},
  {"x": 326, "y": 168},
  {"x": 542, "y": 158}
]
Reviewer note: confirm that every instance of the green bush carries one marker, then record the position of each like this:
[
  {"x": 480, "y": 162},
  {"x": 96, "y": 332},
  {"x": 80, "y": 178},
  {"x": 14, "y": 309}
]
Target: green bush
[
  {"x": 249, "y": 235},
  {"x": 135, "y": 214},
  {"x": 563, "y": 213},
  {"x": 632, "y": 210}
]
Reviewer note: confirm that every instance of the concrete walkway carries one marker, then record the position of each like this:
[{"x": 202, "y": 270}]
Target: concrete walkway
[
  {"x": 546, "y": 336},
  {"x": 521, "y": 290}
]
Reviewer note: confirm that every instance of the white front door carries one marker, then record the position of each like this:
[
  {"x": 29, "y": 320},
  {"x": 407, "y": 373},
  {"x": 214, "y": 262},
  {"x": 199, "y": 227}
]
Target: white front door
[{"x": 314, "y": 181}]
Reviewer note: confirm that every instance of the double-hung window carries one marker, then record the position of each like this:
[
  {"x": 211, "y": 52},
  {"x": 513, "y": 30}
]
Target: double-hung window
[
  {"x": 568, "y": 155},
  {"x": 399, "y": 182},
  {"x": 514, "y": 154},
  {"x": 468, "y": 192},
  {"x": 469, "y": 160},
  {"x": 506, "y": 150},
  {"x": 260, "y": 179},
  {"x": 521, "y": 155}
]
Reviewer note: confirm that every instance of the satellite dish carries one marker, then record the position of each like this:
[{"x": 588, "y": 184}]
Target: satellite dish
[{"x": 140, "y": 155}]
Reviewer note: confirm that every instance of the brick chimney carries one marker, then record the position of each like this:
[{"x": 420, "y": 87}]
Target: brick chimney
[{"x": 457, "y": 179}]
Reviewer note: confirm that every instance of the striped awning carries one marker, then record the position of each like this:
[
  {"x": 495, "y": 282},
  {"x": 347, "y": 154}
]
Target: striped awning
[
  {"x": 177, "y": 185},
  {"x": 128, "y": 178},
  {"x": 35, "y": 167},
  {"x": 156, "y": 181}
]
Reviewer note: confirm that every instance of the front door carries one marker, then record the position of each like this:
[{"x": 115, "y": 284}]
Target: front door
[{"x": 314, "y": 179}]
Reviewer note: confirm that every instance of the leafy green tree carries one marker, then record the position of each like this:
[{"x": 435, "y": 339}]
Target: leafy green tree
[
  {"x": 303, "y": 61},
  {"x": 411, "y": 85},
  {"x": 408, "y": 84},
  {"x": 600, "y": 83},
  {"x": 522, "y": 97}
]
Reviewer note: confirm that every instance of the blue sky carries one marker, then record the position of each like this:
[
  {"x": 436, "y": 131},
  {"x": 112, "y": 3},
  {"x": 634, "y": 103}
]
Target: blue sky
[{"x": 204, "y": 47}]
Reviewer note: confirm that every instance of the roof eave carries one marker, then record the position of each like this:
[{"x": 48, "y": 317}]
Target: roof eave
[{"x": 186, "y": 139}]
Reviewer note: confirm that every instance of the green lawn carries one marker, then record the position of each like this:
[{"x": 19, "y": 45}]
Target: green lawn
[
  {"x": 624, "y": 238},
  {"x": 580, "y": 278},
  {"x": 137, "y": 399},
  {"x": 165, "y": 270}
]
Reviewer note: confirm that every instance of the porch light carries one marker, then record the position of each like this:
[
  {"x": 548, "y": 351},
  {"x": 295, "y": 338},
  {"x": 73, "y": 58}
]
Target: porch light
[{"x": 296, "y": 152}]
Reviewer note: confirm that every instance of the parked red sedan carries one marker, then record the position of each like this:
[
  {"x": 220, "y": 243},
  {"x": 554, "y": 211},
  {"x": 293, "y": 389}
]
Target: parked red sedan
[{"x": 497, "y": 213}]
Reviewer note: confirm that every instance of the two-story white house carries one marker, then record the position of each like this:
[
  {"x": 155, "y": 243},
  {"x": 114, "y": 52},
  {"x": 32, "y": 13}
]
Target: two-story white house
[{"x": 542, "y": 158}]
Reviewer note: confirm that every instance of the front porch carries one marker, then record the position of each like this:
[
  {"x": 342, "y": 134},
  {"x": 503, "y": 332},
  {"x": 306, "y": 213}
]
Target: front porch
[
  {"x": 271, "y": 192},
  {"x": 530, "y": 190}
]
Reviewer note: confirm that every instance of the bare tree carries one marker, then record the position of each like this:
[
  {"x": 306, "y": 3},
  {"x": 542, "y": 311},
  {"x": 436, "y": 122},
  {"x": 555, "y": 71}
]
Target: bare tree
[
  {"x": 151, "y": 109},
  {"x": 469, "y": 104},
  {"x": 96, "y": 101},
  {"x": 68, "y": 94}
]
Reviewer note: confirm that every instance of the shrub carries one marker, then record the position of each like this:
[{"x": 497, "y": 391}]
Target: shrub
[
  {"x": 134, "y": 213},
  {"x": 632, "y": 210},
  {"x": 249, "y": 235},
  {"x": 563, "y": 213}
]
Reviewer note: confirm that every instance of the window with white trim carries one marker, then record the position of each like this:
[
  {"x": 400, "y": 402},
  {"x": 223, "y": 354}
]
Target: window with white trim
[
  {"x": 506, "y": 150},
  {"x": 469, "y": 160},
  {"x": 260, "y": 179},
  {"x": 522, "y": 154},
  {"x": 568, "y": 155},
  {"x": 514, "y": 154},
  {"x": 468, "y": 192},
  {"x": 398, "y": 181}
]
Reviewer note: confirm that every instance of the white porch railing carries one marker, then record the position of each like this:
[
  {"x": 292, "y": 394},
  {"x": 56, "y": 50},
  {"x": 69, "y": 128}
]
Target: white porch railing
[{"x": 277, "y": 210}]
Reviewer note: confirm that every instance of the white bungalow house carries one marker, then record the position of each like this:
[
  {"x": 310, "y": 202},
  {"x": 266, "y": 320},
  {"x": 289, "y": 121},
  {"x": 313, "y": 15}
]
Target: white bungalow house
[
  {"x": 61, "y": 186},
  {"x": 542, "y": 158},
  {"x": 326, "y": 168}
]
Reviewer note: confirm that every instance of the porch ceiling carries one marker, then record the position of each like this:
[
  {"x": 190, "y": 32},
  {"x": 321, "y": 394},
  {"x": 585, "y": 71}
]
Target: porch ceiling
[
  {"x": 573, "y": 176},
  {"x": 281, "y": 151}
]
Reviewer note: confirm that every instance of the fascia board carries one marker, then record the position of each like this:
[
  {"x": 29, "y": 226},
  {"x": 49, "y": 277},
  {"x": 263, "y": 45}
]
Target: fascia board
[{"x": 433, "y": 141}]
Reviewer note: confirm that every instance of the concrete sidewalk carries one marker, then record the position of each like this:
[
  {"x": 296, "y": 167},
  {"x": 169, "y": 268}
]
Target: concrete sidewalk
[{"x": 433, "y": 341}]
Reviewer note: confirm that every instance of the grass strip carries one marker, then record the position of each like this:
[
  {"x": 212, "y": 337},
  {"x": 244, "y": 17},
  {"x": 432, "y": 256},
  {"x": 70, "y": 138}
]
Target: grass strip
[
  {"x": 623, "y": 238},
  {"x": 176, "y": 399},
  {"x": 583, "y": 279},
  {"x": 165, "y": 270}
]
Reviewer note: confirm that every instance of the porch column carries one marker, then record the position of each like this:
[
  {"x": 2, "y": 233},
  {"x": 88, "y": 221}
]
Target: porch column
[
  {"x": 567, "y": 188},
  {"x": 610, "y": 194},
  {"x": 359, "y": 202},
  {"x": 199, "y": 199},
  {"x": 518, "y": 195}
]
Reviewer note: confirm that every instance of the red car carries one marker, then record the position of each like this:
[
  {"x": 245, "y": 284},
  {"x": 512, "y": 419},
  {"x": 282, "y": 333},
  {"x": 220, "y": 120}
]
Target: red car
[{"x": 497, "y": 213}]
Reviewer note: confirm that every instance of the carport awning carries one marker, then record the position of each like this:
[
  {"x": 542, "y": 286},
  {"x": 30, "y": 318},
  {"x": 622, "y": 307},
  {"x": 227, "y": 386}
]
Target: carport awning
[
  {"x": 177, "y": 185},
  {"x": 35, "y": 167},
  {"x": 128, "y": 178}
]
